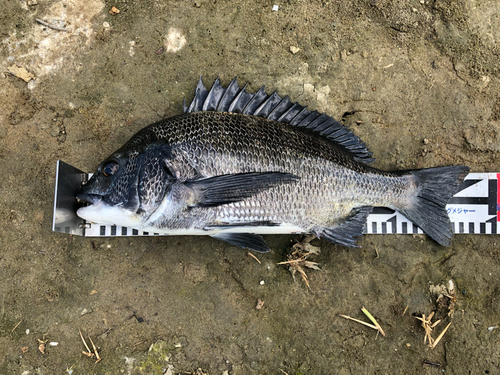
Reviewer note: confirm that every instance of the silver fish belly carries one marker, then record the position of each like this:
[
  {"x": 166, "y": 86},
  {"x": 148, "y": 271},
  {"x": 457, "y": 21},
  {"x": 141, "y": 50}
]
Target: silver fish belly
[{"x": 236, "y": 165}]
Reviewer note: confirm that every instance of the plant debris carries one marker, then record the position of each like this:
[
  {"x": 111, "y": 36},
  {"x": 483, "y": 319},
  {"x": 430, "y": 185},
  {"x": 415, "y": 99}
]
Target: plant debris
[
  {"x": 428, "y": 327},
  {"x": 114, "y": 11},
  {"x": 53, "y": 27},
  {"x": 21, "y": 72},
  {"x": 430, "y": 363},
  {"x": 297, "y": 260},
  {"x": 254, "y": 257},
  {"x": 89, "y": 353},
  {"x": 17, "y": 325},
  {"x": 41, "y": 346},
  {"x": 445, "y": 296},
  {"x": 375, "y": 324}
]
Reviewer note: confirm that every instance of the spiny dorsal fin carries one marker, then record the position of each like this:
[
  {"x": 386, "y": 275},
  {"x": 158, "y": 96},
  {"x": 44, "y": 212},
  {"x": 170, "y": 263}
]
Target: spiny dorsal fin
[{"x": 273, "y": 107}]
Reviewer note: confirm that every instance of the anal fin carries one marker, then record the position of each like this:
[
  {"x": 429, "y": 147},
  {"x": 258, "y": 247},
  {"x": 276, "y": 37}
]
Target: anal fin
[
  {"x": 347, "y": 232},
  {"x": 244, "y": 240}
]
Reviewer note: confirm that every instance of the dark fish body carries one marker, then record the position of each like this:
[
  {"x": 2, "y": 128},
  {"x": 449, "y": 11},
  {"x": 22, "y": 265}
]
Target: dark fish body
[{"x": 237, "y": 165}]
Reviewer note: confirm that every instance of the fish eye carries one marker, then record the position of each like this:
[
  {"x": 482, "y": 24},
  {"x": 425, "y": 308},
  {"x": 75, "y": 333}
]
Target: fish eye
[{"x": 110, "y": 168}]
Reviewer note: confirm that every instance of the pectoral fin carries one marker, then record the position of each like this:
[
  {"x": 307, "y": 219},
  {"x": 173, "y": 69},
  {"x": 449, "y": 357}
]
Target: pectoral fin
[
  {"x": 230, "y": 188},
  {"x": 245, "y": 241}
]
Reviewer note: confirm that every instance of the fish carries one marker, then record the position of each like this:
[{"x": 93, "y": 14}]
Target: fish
[{"x": 237, "y": 165}]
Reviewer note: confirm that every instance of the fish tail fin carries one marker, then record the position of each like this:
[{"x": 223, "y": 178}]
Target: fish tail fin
[{"x": 435, "y": 188}]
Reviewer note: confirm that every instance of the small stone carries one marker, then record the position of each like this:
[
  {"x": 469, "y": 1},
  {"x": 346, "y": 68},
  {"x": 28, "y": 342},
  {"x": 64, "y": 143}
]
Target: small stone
[
  {"x": 260, "y": 304},
  {"x": 114, "y": 11},
  {"x": 262, "y": 282},
  {"x": 343, "y": 55},
  {"x": 86, "y": 311},
  {"x": 105, "y": 24},
  {"x": 275, "y": 8},
  {"x": 294, "y": 49},
  {"x": 426, "y": 141}
]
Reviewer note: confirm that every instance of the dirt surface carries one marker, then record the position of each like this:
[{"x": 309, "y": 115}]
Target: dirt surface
[{"x": 396, "y": 72}]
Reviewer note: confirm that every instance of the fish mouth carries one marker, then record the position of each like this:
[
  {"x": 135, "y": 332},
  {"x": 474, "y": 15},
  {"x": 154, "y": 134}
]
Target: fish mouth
[{"x": 88, "y": 198}]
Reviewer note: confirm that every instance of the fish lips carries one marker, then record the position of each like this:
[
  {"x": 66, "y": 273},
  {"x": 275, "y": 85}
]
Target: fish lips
[{"x": 89, "y": 198}]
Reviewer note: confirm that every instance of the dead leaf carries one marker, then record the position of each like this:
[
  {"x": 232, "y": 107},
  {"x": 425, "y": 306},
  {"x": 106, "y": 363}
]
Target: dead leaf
[
  {"x": 41, "y": 346},
  {"x": 114, "y": 11},
  {"x": 260, "y": 304},
  {"x": 20, "y": 72}
]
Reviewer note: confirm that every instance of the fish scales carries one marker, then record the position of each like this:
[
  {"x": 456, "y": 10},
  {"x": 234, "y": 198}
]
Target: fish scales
[
  {"x": 223, "y": 143},
  {"x": 235, "y": 175}
]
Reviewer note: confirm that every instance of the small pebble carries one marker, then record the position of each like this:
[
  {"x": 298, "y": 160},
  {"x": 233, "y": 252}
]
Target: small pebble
[
  {"x": 275, "y": 8},
  {"x": 85, "y": 311},
  {"x": 262, "y": 282}
]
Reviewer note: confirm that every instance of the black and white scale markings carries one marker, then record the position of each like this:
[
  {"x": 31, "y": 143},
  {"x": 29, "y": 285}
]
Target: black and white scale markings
[{"x": 473, "y": 210}]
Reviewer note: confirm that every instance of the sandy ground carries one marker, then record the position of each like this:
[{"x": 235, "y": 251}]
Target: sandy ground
[{"x": 396, "y": 72}]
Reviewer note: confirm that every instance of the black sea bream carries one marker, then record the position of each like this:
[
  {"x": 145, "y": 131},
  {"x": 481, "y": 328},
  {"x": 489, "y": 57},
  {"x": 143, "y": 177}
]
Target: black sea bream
[{"x": 236, "y": 165}]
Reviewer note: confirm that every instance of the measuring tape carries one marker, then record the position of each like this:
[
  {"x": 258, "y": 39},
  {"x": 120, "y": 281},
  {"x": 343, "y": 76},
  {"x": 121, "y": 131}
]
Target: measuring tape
[{"x": 473, "y": 210}]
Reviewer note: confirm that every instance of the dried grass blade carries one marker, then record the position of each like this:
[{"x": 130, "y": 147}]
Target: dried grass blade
[
  {"x": 370, "y": 316},
  {"x": 84, "y": 343},
  {"x": 440, "y": 336},
  {"x": 359, "y": 321}
]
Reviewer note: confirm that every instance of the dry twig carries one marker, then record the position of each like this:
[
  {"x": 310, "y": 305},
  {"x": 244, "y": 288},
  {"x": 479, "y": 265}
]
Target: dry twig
[
  {"x": 89, "y": 353},
  {"x": 51, "y": 26},
  {"x": 254, "y": 257},
  {"x": 17, "y": 325},
  {"x": 406, "y": 308}
]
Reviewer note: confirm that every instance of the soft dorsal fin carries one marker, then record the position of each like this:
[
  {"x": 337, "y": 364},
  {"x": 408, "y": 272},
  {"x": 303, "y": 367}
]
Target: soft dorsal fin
[{"x": 273, "y": 107}]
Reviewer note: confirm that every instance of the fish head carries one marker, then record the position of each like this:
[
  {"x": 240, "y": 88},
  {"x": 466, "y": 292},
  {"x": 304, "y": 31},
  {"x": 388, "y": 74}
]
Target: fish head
[
  {"x": 126, "y": 188},
  {"x": 111, "y": 192}
]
